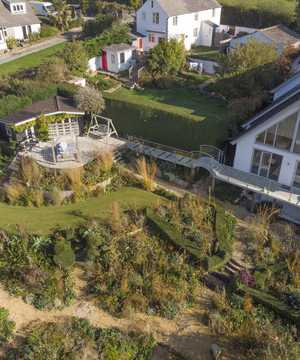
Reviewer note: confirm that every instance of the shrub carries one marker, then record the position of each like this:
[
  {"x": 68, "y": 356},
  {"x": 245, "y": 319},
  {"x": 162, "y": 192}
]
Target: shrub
[
  {"x": 14, "y": 191},
  {"x": 55, "y": 197},
  {"x": 98, "y": 25},
  {"x": 106, "y": 161},
  {"x": 6, "y": 326},
  {"x": 75, "y": 58},
  {"x": 48, "y": 31},
  {"x": 53, "y": 70},
  {"x": 29, "y": 172},
  {"x": 67, "y": 90},
  {"x": 89, "y": 100},
  {"x": 63, "y": 254},
  {"x": 11, "y": 43},
  {"x": 148, "y": 172}
]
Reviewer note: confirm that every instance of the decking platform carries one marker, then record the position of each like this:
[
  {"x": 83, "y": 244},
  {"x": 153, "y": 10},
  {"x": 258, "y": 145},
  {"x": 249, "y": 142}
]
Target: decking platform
[{"x": 87, "y": 148}]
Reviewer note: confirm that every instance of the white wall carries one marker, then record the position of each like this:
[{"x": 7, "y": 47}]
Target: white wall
[
  {"x": 208, "y": 67},
  {"x": 94, "y": 63},
  {"x": 17, "y": 32},
  {"x": 187, "y": 23},
  {"x": 3, "y": 45},
  {"x": 247, "y": 143},
  {"x": 145, "y": 25},
  {"x": 117, "y": 66}
]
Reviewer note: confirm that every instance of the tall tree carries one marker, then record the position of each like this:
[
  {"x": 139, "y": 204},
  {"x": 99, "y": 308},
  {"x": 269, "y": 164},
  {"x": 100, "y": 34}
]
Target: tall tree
[
  {"x": 166, "y": 59},
  {"x": 75, "y": 57},
  {"x": 90, "y": 100}
]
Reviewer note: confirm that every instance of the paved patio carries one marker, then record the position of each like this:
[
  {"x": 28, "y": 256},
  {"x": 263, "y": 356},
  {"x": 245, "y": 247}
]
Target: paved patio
[{"x": 88, "y": 149}]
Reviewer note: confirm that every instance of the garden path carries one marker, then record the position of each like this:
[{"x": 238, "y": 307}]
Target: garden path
[{"x": 184, "y": 335}]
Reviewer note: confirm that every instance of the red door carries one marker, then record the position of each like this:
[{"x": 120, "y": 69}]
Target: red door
[
  {"x": 140, "y": 43},
  {"x": 104, "y": 61}
]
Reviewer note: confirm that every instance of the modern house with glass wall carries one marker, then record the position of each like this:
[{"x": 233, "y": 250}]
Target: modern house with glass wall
[{"x": 269, "y": 145}]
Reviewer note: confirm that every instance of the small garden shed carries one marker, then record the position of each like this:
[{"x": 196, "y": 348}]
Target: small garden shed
[
  {"x": 47, "y": 119},
  {"x": 117, "y": 58}
]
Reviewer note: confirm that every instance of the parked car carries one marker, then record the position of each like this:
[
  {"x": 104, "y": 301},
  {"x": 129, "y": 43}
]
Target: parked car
[{"x": 43, "y": 8}]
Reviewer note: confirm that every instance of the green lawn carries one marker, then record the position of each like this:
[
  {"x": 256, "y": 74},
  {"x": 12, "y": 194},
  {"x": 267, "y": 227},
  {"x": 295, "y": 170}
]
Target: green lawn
[
  {"x": 42, "y": 220},
  {"x": 188, "y": 103},
  {"x": 205, "y": 53},
  {"x": 30, "y": 61}
]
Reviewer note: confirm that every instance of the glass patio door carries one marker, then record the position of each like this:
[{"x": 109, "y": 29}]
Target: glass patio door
[
  {"x": 266, "y": 164},
  {"x": 297, "y": 176}
]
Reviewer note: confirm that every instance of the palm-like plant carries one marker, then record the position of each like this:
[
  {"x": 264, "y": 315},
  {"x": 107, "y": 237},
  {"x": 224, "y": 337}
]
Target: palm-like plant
[{"x": 62, "y": 17}]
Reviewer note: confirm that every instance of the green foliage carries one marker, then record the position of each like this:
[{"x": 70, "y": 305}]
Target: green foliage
[
  {"x": 27, "y": 270},
  {"x": 75, "y": 57},
  {"x": 62, "y": 17},
  {"x": 52, "y": 71},
  {"x": 7, "y": 326},
  {"x": 48, "y": 31},
  {"x": 247, "y": 57},
  {"x": 96, "y": 26},
  {"x": 89, "y": 100},
  {"x": 258, "y": 13},
  {"x": 11, "y": 43},
  {"x": 77, "y": 338},
  {"x": 117, "y": 34},
  {"x": 64, "y": 256},
  {"x": 135, "y": 271},
  {"x": 166, "y": 59}
]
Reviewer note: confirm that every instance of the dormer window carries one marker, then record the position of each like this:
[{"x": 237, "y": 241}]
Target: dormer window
[{"x": 18, "y": 8}]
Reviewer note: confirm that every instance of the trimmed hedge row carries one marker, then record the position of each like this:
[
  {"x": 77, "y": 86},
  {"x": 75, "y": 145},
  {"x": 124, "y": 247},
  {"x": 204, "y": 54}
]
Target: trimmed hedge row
[
  {"x": 278, "y": 306},
  {"x": 225, "y": 234},
  {"x": 165, "y": 127}
]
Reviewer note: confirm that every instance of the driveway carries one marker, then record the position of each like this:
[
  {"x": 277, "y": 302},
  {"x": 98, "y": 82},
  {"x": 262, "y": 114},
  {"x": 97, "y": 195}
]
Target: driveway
[{"x": 20, "y": 52}]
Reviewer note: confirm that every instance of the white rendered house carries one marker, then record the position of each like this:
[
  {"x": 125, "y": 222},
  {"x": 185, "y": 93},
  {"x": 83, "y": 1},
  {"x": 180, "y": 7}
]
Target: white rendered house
[
  {"x": 269, "y": 147},
  {"x": 17, "y": 20},
  {"x": 193, "y": 21}
]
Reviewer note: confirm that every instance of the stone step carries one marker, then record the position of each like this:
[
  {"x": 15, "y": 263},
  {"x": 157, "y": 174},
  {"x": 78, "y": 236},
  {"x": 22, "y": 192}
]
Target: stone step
[{"x": 237, "y": 264}]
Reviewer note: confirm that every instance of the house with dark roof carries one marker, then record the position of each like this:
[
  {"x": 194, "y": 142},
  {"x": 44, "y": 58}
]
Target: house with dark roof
[
  {"x": 17, "y": 20},
  {"x": 278, "y": 36},
  {"x": 193, "y": 21},
  {"x": 269, "y": 147},
  {"x": 59, "y": 114}
]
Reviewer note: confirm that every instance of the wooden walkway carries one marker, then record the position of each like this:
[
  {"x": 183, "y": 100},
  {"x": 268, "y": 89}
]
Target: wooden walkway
[{"x": 212, "y": 162}]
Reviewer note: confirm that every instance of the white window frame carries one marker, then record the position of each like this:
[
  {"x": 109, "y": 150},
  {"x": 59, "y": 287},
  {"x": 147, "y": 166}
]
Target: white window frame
[
  {"x": 122, "y": 58},
  {"x": 213, "y": 12},
  {"x": 155, "y": 18},
  {"x": 175, "y": 20},
  {"x": 113, "y": 59},
  {"x": 196, "y": 17},
  {"x": 196, "y": 32},
  {"x": 144, "y": 16}
]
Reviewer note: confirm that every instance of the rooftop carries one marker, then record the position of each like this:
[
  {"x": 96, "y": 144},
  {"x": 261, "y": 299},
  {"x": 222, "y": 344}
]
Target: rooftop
[
  {"x": 174, "y": 8},
  {"x": 8, "y": 19},
  {"x": 119, "y": 47},
  {"x": 281, "y": 34},
  {"x": 54, "y": 104}
]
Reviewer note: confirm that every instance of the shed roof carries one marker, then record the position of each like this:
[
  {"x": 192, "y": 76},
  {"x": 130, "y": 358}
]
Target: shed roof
[
  {"x": 281, "y": 34},
  {"x": 54, "y": 104},
  {"x": 181, "y": 7},
  {"x": 119, "y": 47},
  {"x": 8, "y": 19}
]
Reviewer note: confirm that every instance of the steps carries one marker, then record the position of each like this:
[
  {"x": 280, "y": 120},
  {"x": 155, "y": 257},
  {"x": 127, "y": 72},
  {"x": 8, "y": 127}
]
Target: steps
[{"x": 218, "y": 280}]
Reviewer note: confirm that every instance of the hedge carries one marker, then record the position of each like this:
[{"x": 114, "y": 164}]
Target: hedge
[
  {"x": 225, "y": 233},
  {"x": 165, "y": 127},
  {"x": 278, "y": 306}
]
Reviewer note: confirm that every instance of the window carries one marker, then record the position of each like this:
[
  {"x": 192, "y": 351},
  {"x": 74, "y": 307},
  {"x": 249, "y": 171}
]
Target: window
[
  {"x": 280, "y": 135},
  {"x": 297, "y": 176},
  {"x": 195, "y": 32},
  {"x": 196, "y": 17},
  {"x": 122, "y": 58},
  {"x": 144, "y": 15},
  {"x": 151, "y": 38},
  {"x": 213, "y": 12},
  {"x": 1, "y": 36},
  {"x": 266, "y": 164},
  {"x": 152, "y": 4},
  {"x": 155, "y": 18},
  {"x": 113, "y": 59},
  {"x": 4, "y": 31},
  {"x": 175, "y": 20},
  {"x": 14, "y": 8}
]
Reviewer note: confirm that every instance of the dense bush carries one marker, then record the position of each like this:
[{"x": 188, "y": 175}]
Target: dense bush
[
  {"x": 76, "y": 338},
  {"x": 27, "y": 269},
  {"x": 117, "y": 34},
  {"x": 98, "y": 25},
  {"x": 6, "y": 326},
  {"x": 75, "y": 57},
  {"x": 134, "y": 271},
  {"x": 257, "y": 13},
  {"x": 64, "y": 256},
  {"x": 48, "y": 31}
]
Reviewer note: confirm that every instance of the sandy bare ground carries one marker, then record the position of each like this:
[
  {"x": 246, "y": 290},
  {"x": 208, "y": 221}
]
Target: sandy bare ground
[{"x": 184, "y": 335}]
